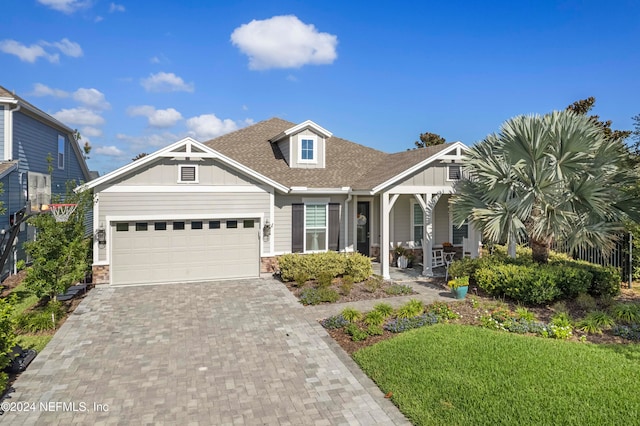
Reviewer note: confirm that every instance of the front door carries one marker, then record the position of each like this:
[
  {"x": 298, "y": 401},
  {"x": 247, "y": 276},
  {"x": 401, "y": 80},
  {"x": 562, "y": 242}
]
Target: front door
[{"x": 362, "y": 223}]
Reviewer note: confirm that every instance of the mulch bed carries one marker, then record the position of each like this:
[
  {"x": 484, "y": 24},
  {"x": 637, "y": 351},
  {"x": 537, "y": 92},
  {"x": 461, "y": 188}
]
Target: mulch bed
[{"x": 358, "y": 292}]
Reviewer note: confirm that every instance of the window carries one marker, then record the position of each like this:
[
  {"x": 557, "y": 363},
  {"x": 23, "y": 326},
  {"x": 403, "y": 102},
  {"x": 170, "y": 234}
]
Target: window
[
  {"x": 315, "y": 232},
  {"x": 141, "y": 226},
  {"x": 196, "y": 224},
  {"x": 160, "y": 226},
  {"x": 307, "y": 149},
  {"x": 178, "y": 226},
  {"x": 459, "y": 233},
  {"x": 122, "y": 227},
  {"x": 214, "y": 224},
  {"x": 247, "y": 223},
  {"x": 418, "y": 223},
  {"x": 454, "y": 172},
  {"x": 61, "y": 145},
  {"x": 232, "y": 224},
  {"x": 188, "y": 174}
]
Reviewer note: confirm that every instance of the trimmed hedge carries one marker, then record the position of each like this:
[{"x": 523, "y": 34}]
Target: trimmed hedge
[
  {"x": 331, "y": 263},
  {"x": 525, "y": 281}
]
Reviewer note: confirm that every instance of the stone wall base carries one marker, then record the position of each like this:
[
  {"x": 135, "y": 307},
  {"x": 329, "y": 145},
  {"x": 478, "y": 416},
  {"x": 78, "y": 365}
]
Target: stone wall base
[
  {"x": 268, "y": 265},
  {"x": 100, "y": 274}
]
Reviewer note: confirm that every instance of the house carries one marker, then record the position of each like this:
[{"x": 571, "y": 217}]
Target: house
[
  {"x": 226, "y": 208},
  {"x": 38, "y": 155}
]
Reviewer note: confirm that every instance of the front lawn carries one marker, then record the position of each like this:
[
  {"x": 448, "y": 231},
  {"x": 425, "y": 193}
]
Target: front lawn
[{"x": 464, "y": 375}]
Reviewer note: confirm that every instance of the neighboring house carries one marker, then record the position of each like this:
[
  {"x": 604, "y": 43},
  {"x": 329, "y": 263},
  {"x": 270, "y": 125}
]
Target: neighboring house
[
  {"x": 228, "y": 207},
  {"x": 28, "y": 136}
]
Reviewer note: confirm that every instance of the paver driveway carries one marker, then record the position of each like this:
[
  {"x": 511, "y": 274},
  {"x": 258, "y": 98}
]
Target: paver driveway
[{"x": 233, "y": 352}]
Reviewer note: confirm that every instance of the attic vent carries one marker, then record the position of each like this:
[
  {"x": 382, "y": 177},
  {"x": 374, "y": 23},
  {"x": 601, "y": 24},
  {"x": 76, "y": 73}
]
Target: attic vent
[
  {"x": 188, "y": 174},
  {"x": 454, "y": 172}
]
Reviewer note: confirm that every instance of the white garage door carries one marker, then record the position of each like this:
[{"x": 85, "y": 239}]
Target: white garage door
[{"x": 184, "y": 250}]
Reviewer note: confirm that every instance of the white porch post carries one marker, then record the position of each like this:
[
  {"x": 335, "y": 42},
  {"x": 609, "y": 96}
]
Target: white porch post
[
  {"x": 384, "y": 235},
  {"x": 427, "y": 241}
]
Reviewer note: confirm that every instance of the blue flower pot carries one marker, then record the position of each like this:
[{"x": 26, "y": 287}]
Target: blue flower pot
[{"x": 460, "y": 292}]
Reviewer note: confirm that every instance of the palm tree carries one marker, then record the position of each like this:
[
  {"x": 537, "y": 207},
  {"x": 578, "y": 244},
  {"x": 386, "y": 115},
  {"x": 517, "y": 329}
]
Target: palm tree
[{"x": 545, "y": 178}]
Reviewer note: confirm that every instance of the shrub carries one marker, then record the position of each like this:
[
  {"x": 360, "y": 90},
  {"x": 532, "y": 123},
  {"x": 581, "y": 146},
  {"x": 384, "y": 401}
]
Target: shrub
[
  {"x": 351, "y": 314},
  {"x": 384, "y": 308},
  {"x": 442, "y": 311},
  {"x": 410, "y": 309},
  {"x": 7, "y": 339},
  {"x": 41, "y": 319},
  {"x": 358, "y": 266},
  {"x": 527, "y": 284},
  {"x": 626, "y": 312},
  {"x": 314, "y": 296},
  {"x": 595, "y": 321},
  {"x": 346, "y": 285},
  {"x": 301, "y": 278},
  {"x": 374, "y": 318},
  {"x": 525, "y": 314},
  {"x": 21, "y": 264},
  {"x": 324, "y": 279},
  {"x": 336, "y": 321},
  {"x": 398, "y": 325},
  {"x": 585, "y": 301},
  {"x": 398, "y": 289},
  {"x": 375, "y": 330},
  {"x": 373, "y": 283},
  {"x": 561, "y": 319},
  {"x": 629, "y": 332},
  {"x": 557, "y": 332},
  {"x": 356, "y": 333},
  {"x": 606, "y": 281},
  {"x": 331, "y": 262},
  {"x": 572, "y": 281}
]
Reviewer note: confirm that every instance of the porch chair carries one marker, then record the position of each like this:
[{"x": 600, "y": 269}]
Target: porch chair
[
  {"x": 466, "y": 252},
  {"x": 437, "y": 258}
]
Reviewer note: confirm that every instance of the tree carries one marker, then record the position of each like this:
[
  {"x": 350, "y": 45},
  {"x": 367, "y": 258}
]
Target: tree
[
  {"x": 545, "y": 178},
  {"x": 61, "y": 251},
  {"x": 583, "y": 106},
  {"x": 636, "y": 135},
  {"x": 429, "y": 139},
  {"x": 86, "y": 148},
  {"x": 139, "y": 156}
]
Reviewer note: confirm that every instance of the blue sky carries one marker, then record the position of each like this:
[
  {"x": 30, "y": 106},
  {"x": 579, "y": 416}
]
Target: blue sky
[{"x": 134, "y": 76}]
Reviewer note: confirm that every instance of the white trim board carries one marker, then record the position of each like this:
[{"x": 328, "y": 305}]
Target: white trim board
[{"x": 185, "y": 187}]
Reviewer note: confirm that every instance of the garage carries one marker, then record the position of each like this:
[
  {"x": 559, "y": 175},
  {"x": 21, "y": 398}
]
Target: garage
[{"x": 164, "y": 251}]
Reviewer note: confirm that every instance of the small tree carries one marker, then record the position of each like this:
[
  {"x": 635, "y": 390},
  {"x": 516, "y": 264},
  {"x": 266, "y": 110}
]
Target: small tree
[
  {"x": 61, "y": 250},
  {"x": 429, "y": 139},
  {"x": 139, "y": 156},
  {"x": 7, "y": 339}
]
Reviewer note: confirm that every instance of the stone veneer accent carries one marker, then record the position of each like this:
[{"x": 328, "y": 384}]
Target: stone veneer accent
[
  {"x": 100, "y": 274},
  {"x": 268, "y": 265}
]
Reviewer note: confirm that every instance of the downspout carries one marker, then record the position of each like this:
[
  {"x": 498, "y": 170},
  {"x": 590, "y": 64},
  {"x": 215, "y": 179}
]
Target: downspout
[
  {"x": 16, "y": 109},
  {"x": 346, "y": 220}
]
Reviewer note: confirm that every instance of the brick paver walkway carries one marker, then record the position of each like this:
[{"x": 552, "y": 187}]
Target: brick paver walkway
[{"x": 234, "y": 352}]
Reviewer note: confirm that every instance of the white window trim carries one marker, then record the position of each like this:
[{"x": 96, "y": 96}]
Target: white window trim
[
  {"x": 412, "y": 223},
  {"x": 459, "y": 166},
  {"x": 326, "y": 227},
  {"x": 197, "y": 177},
  {"x": 315, "y": 149},
  {"x": 62, "y": 139}
]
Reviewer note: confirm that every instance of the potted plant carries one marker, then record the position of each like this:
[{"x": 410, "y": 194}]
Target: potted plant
[
  {"x": 398, "y": 252},
  {"x": 459, "y": 287},
  {"x": 448, "y": 247}
]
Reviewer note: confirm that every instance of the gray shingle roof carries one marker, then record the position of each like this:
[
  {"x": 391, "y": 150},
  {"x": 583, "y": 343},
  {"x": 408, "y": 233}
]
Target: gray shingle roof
[{"x": 346, "y": 164}]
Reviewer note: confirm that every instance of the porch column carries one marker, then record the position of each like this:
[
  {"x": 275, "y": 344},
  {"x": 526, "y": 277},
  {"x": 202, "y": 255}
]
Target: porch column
[
  {"x": 384, "y": 235},
  {"x": 427, "y": 240}
]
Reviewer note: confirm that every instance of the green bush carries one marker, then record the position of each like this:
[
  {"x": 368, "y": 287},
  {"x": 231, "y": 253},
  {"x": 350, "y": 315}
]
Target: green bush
[
  {"x": 595, "y": 321},
  {"x": 375, "y": 330},
  {"x": 572, "y": 281},
  {"x": 324, "y": 279},
  {"x": 41, "y": 319},
  {"x": 7, "y": 339},
  {"x": 384, "y": 308},
  {"x": 585, "y": 301},
  {"x": 626, "y": 312},
  {"x": 398, "y": 289},
  {"x": 374, "y": 318},
  {"x": 606, "y": 281},
  {"x": 526, "y": 284},
  {"x": 442, "y": 311},
  {"x": 356, "y": 333},
  {"x": 346, "y": 285},
  {"x": 373, "y": 283},
  {"x": 300, "y": 278},
  {"x": 351, "y": 314},
  {"x": 412, "y": 308},
  {"x": 315, "y": 296},
  {"x": 331, "y": 263}
]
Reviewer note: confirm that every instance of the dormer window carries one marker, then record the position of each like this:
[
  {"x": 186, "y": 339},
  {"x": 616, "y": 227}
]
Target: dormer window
[{"x": 308, "y": 150}]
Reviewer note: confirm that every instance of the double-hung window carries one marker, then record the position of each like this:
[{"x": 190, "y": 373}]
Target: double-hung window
[
  {"x": 418, "y": 224},
  {"x": 307, "y": 150},
  {"x": 457, "y": 234},
  {"x": 61, "y": 146},
  {"x": 315, "y": 232}
]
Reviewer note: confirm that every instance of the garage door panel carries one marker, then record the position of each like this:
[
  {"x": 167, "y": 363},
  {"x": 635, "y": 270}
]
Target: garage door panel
[{"x": 174, "y": 255}]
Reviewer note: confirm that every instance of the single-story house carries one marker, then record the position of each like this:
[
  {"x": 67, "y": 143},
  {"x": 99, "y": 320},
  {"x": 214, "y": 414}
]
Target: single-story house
[{"x": 227, "y": 208}]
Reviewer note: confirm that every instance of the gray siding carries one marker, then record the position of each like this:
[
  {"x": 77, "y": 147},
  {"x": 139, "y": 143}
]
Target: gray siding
[
  {"x": 403, "y": 226},
  {"x": 197, "y": 205},
  {"x": 165, "y": 172},
  {"x": 441, "y": 221},
  {"x": 435, "y": 174},
  {"x": 282, "y": 218},
  {"x": 295, "y": 150}
]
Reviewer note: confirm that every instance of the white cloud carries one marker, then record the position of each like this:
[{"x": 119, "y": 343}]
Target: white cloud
[
  {"x": 35, "y": 51},
  {"x": 111, "y": 151},
  {"x": 165, "y": 82},
  {"x": 66, "y": 46},
  {"x": 66, "y": 6},
  {"x": 40, "y": 89},
  {"x": 98, "y": 19},
  {"x": 79, "y": 117},
  {"x": 116, "y": 8},
  {"x": 284, "y": 42},
  {"x": 91, "y": 98},
  {"x": 26, "y": 53},
  {"x": 154, "y": 60},
  {"x": 208, "y": 126},
  {"x": 160, "y": 118},
  {"x": 147, "y": 143},
  {"x": 90, "y": 132}
]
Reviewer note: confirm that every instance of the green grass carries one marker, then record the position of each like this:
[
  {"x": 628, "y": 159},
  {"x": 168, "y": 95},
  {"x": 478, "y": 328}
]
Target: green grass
[
  {"x": 34, "y": 342},
  {"x": 464, "y": 375},
  {"x": 22, "y": 300}
]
